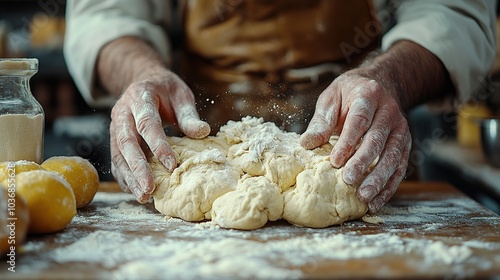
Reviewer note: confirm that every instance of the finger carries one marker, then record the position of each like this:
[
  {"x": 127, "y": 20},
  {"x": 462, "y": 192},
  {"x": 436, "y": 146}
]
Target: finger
[
  {"x": 392, "y": 185},
  {"x": 138, "y": 175},
  {"x": 183, "y": 105},
  {"x": 390, "y": 159},
  {"x": 117, "y": 162},
  {"x": 370, "y": 148},
  {"x": 323, "y": 122},
  {"x": 358, "y": 120},
  {"x": 128, "y": 179},
  {"x": 190, "y": 123},
  {"x": 149, "y": 126},
  {"x": 122, "y": 172},
  {"x": 318, "y": 132}
]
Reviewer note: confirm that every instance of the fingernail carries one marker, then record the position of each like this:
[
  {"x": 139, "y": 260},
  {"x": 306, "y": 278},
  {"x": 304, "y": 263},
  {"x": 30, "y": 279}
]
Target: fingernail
[
  {"x": 140, "y": 196},
  {"x": 149, "y": 189},
  {"x": 351, "y": 176},
  {"x": 366, "y": 194},
  {"x": 168, "y": 162},
  {"x": 144, "y": 198}
]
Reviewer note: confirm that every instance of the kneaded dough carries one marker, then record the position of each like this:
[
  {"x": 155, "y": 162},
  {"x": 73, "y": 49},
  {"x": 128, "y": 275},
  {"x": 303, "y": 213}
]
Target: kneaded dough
[
  {"x": 252, "y": 172},
  {"x": 255, "y": 201}
]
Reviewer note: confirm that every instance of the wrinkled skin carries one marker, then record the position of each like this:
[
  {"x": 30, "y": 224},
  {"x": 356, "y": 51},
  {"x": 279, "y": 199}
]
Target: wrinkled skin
[{"x": 361, "y": 111}]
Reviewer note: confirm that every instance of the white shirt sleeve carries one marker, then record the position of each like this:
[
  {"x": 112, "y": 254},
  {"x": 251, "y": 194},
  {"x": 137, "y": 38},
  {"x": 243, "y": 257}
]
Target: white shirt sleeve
[
  {"x": 461, "y": 33},
  {"x": 93, "y": 23}
]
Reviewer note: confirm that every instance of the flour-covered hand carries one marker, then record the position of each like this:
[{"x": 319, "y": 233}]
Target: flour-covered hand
[
  {"x": 371, "y": 125},
  {"x": 366, "y": 106},
  {"x": 149, "y": 96},
  {"x": 137, "y": 129}
]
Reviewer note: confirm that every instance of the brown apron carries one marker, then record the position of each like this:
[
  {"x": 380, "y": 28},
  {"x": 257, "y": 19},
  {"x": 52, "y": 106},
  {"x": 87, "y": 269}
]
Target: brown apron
[{"x": 271, "y": 59}]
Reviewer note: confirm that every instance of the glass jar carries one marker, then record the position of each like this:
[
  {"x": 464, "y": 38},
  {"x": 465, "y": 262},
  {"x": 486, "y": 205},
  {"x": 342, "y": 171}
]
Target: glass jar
[{"x": 21, "y": 116}]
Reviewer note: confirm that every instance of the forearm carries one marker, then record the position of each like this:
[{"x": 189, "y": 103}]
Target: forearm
[
  {"x": 124, "y": 61},
  {"x": 410, "y": 73}
]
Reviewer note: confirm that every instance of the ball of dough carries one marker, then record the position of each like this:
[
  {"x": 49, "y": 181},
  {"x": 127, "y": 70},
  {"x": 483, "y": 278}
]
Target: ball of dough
[
  {"x": 50, "y": 199},
  {"x": 80, "y": 174},
  {"x": 255, "y": 201},
  {"x": 189, "y": 192},
  {"x": 321, "y": 198},
  {"x": 12, "y": 232},
  {"x": 19, "y": 166},
  {"x": 279, "y": 168}
]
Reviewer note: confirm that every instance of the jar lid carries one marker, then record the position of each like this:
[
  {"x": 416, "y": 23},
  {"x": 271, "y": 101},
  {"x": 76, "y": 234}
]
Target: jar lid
[{"x": 15, "y": 66}]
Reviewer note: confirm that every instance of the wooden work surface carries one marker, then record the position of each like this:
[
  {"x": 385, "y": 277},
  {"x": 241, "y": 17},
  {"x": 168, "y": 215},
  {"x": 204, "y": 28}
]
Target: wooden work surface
[{"x": 430, "y": 230}]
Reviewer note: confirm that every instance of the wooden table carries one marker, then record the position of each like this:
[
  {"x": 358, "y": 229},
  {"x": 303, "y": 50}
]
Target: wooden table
[{"x": 430, "y": 230}]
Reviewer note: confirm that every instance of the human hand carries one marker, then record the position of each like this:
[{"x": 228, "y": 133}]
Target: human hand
[
  {"x": 136, "y": 129},
  {"x": 363, "y": 112}
]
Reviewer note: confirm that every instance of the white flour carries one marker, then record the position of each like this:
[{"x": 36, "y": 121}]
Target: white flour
[
  {"x": 21, "y": 137},
  {"x": 175, "y": 249}
]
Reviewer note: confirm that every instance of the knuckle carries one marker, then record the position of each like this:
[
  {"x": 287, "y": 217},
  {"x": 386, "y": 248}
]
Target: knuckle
[
  {"x": 161, "y": 147},
  {"x": 116, "y": 161},
  {"x": 388, "y": 192},
  {"x": 137, "y": 167},
  {"x": 142, "y": 89},
  {"x": 144, "y": 123},
  {"x": 376, "y": 87},
  {"x": 377, "y": 140},
  {"x": 393, "y": 157},
  {"x": 117, "y": 111},
  {"x": 124, "y": 139},
  {"x": 401, "y": 138},
  {"x": 377, "y": 181},
  {"x": 403, "y": 123},
  {"x": 360, "y": 121},
  {"x": 401, "y": 171}
]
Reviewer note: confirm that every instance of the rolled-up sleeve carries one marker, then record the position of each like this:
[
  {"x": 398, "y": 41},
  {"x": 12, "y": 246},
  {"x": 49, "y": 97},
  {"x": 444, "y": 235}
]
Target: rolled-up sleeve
[
  {"x": 90, "y": 24},
  {"x": 461, "y": 33}
]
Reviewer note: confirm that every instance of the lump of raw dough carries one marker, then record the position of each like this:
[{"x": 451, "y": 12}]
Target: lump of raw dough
[
  {"x": 321, "y": 198},
  {"x": 279, "y": 168},
  {"x": 255, "y": 201},
  {"x": 252, "y": 172},
  {"x": 189, "y": 191}
]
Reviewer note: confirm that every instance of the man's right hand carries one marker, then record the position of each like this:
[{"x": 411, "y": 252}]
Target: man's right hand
[
  {"x": 151, "y": 95},
  {"x": 137, "y": 129}
]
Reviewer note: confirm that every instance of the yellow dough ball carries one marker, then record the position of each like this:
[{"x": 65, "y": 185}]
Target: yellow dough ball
[
  {"x": 50, "y": 199},
  {"x": 14, "y": 220},
  {"x": 17, "y": 166},
  {"x": 80, "y": 174}
]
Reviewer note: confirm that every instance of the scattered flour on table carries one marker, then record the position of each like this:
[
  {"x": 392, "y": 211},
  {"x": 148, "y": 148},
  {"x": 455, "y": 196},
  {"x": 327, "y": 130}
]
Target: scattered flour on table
[
  {"x": 203, "y": 250},
  {"x": 142, "y": 257},
  {"x": 110, "y": 198},
  {"x": 125, "y": 209},
  {"x": 183, "y": 250},
  {"x": 425, "y": 211}
]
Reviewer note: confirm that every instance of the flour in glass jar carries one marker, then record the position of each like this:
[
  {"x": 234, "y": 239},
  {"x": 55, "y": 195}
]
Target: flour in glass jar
[{"x": 21, "y": 137}]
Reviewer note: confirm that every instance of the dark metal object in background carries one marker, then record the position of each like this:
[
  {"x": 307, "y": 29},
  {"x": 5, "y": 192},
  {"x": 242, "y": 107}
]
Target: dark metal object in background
[{"x": 490, "y": 140}]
